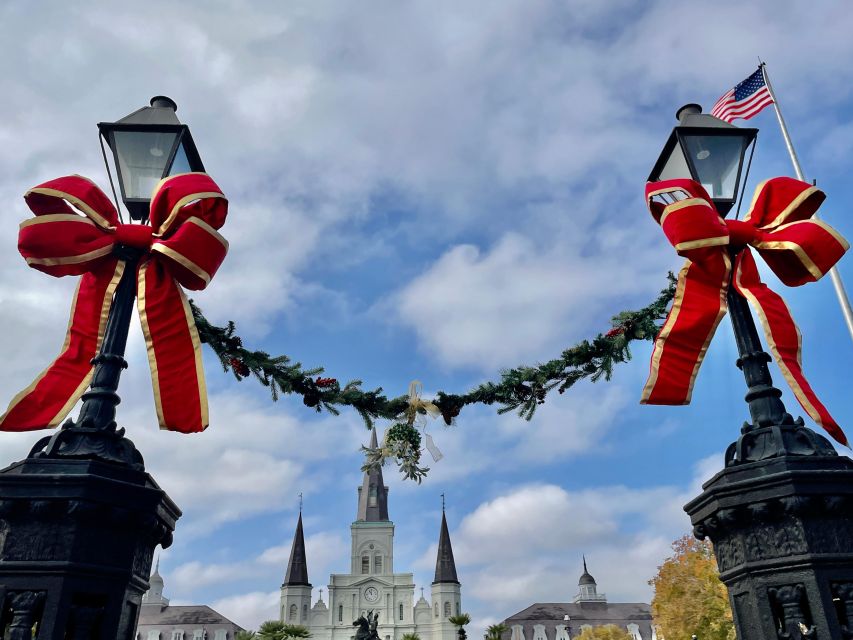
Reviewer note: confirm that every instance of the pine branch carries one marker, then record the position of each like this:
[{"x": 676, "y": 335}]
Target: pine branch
[{"x": 521, "y": 389}]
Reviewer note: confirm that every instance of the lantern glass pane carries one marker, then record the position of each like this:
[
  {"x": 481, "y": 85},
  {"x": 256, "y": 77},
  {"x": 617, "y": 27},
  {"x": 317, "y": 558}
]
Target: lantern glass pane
[
  {"x": 142, "y": 157},
  {"x": 717, "y": 160},
  {"x": 676, "y": 166},
  {"x": 181, "y": 163}
]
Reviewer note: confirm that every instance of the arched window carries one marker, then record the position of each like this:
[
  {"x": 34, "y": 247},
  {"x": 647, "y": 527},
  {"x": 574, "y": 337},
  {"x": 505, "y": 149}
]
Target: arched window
[
  {"x": 292, "y": 615},
  {"x": 401, "y": 611},
  {"x": 372, "y": 496},
  {"x": 458, "y": 609},
  {"x": 340, "y": 613},
  {"x": 436, "y": 609},
  {"x": 304, "y": 611},
  {"x": 446, "y": 609},
  {"x": 365, "y": 564},
  {"x": 377, "y": 564}
]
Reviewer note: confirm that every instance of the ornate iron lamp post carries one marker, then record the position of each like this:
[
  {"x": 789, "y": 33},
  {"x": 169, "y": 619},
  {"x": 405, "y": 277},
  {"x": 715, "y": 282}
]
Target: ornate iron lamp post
[
  {"x": 779, "y": 513},
  {"x": 79, "y": 517}
]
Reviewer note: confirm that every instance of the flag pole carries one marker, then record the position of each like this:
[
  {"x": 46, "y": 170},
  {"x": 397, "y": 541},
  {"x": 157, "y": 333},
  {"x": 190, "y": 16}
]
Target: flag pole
[{"x": 843, "y": 300}]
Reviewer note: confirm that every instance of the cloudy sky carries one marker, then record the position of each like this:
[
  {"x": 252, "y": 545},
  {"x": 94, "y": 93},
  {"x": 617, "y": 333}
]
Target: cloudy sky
[{"x": 433, "y": 191}]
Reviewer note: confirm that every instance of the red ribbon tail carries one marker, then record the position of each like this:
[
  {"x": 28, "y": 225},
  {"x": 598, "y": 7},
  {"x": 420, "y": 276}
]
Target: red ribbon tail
[
  {"x": 174, "y": 351},
  {"x": 55, "y": 391},
  {"x": 697, "y": 309},
  {"x": 783, "y": 340}
]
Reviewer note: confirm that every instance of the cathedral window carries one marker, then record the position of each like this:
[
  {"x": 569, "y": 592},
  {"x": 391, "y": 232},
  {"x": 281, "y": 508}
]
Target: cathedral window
[
  {"x": 436, "y": 609},
  {"x": 292, "y": 615},
  {"x": 401, "y": 611},
  {"x": 377, "y": 564},
  {"x": 304, "y": 611},
  {"x": 365, "y": 564},
  {"x": 458, "y": 609},
  {"x": 340, "y": 613},
  {"x": 372, "y": 496},
  {"x": 446, "y": 609}
]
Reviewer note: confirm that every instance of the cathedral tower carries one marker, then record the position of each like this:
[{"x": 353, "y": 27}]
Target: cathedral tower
[
  {"x": 296, "y": 590},
  {"x": 446, "y": 590}
]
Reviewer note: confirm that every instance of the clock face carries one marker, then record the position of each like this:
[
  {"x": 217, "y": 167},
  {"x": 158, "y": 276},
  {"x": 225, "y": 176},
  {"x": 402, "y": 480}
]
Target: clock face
[{"x": 371, "y": 594}]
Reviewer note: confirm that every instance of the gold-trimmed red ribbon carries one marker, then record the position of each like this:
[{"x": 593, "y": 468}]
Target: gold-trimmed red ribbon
[
  {"x": 183, "y": 249},
  {"x": 797, "y": 249}
]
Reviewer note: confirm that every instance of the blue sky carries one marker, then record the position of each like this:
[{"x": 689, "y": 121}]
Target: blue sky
[{"x": 433, "y": 191}]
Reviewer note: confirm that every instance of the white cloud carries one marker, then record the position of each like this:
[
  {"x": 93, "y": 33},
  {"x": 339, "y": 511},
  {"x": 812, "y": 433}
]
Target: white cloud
[
  {"x": 249, "y": 610},
  {"x": 514, "y": 301}
]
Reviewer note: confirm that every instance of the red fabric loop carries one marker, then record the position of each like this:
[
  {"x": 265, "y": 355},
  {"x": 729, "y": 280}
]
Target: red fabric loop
[
  {"x": 134, "y": 235},
  {"x": 797, "y": 250}
]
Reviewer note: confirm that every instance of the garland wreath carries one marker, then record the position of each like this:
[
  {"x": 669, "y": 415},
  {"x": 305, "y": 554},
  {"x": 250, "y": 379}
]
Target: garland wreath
[{"x": 521, "y": 389}]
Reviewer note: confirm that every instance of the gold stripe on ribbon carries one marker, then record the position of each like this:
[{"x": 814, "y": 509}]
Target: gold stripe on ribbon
[
  {"x": 771, "y": 345},
  {"x": 199, "y": 360},
  {"x": 415, "y": 402},
  {"x": 213, "y": 232},
  {"x": 704, "y": 242},
  {"x": 106, "y": 303},
  {"x": 83, "y": 257},
  {"x": 681, "y": 204},
  {"x": 74, "y": 200},
  {"x": 55, "y": 217},
  {"x": 182, "y": 260},
  {"x": 149, "y": 342}
]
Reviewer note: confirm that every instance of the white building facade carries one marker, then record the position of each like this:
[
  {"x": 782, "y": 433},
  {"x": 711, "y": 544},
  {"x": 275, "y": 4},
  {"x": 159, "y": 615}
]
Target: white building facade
[{"x": 371, "y": 583}]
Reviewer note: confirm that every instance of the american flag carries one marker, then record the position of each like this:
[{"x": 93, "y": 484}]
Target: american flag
[{"x": 745, "y": 100}]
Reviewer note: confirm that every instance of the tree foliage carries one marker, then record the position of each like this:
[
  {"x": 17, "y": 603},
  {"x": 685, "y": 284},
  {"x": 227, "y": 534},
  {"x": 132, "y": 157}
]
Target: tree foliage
[
  {"x": 276, "y": 630},
  {"x": 245, "y": 635},
  {"x": 605, "y": 632},
  {"x": 495, "y": 631},
  {"x": 689, "y": 597},
  {"x": 410, "y": 636},
  {"x": 460, "y": 620}
]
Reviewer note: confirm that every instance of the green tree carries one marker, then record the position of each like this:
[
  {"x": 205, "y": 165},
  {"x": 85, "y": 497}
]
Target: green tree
[
  {"x": 495, "y": 631},
  {"x": 460, "y": 620},
  {"x": 689, "y": 597},
  {"x": 245, "y": 635},
  {"x": 605, "y": 632},
  {"x": 411, "y": 636},
  {"x": 275, "y": 630}
]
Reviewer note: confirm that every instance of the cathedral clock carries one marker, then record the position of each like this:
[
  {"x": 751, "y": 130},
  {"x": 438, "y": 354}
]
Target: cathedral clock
[{"x": 371, "y": 594}]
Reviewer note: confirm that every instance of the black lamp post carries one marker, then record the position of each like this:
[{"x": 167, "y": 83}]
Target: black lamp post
[
  {"x": 779, "y": 513},
  {"x": 79, "y": 517}
]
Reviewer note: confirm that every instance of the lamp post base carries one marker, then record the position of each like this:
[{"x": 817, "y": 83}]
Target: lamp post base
[
  {"x": 779, "y": 518},
  {"x": 76, "y": 544}
]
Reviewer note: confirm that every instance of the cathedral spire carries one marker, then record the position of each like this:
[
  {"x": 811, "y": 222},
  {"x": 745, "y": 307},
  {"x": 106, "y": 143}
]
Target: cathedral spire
[
  {"x": 373, "y": 494},
  {"x": 445, "y": 566},
  {"x": 297, "y": 566}
]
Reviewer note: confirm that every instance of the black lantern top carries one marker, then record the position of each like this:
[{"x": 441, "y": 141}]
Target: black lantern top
[
  {"x": 708, "y": 150},
  {"x": 148, "y": 145}
]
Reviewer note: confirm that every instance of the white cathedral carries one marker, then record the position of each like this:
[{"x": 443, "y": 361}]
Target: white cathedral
[{"x": 371, "y": 583}]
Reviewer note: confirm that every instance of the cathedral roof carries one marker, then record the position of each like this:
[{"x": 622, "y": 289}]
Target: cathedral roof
[
  {"x": 297, "y": 566},
  {"x": 445, "y": 566},
  {"x": 373, "y": 494}
]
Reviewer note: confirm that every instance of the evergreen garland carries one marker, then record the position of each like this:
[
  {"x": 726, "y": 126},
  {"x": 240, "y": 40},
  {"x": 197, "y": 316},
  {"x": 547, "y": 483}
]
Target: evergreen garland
[{"x": 521, "y": 389}]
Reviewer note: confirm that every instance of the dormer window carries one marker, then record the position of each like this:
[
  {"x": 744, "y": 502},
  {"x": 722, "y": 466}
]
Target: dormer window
[{"x": 372, "y": 496}]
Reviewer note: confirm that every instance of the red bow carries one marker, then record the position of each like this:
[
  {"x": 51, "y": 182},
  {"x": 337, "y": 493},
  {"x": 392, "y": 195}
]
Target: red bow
[
  {"x": 182, "y": 247},
  {"x": 796, "y": 248}
]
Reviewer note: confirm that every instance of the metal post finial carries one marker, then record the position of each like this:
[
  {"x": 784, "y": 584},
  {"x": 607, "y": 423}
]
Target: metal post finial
[{"x": 442, "y": 503}]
